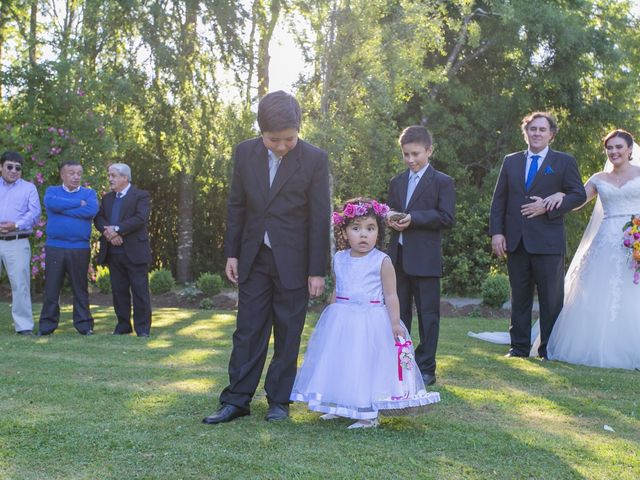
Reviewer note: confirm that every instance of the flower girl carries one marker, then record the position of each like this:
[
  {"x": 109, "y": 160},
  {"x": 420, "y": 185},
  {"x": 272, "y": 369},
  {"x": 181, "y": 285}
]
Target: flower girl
[{"x": 358, "y": 361}]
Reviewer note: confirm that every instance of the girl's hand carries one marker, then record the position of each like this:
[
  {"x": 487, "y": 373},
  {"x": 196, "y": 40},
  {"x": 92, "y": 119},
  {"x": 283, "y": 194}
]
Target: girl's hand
[
  {"x": 398, "y": 331},
  {"x": 554, "y": 201}
]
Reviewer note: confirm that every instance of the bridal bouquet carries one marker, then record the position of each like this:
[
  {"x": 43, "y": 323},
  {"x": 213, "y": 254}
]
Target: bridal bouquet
[{"x": 631, "y": 239}]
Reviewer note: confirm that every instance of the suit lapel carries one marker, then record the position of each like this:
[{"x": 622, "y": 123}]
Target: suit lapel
[
  {"x": 423, "y": 184},
  {"x": 521, "y": 171},
  {"x": 260, "y": 167},
  {"x": 127, "y": 202},
  {"x": 288, "y": 166},
  {"x": 547, "y": 160},
  {"x": 402, "y": 190}
]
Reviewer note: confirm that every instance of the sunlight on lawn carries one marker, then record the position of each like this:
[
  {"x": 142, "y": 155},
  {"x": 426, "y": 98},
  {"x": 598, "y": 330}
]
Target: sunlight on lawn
[
  {"x": 193, "y": 385},
  {"x": 192, "y": 356}
]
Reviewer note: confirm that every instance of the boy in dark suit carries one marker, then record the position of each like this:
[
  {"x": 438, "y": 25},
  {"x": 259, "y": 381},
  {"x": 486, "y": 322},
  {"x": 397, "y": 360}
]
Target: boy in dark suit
[
  {"x": 276, "y": 246},
  {"x": 533, "y": 237},
  {"x": 427, "y": 197}
]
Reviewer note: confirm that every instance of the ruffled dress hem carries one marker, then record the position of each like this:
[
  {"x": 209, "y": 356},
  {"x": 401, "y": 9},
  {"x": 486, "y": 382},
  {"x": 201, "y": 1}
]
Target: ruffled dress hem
[{"x": 315, "y": 403}]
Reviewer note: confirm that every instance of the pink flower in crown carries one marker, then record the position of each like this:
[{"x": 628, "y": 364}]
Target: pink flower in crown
[
  {"x": 336, "y": 218},
  {"x": 349, "y": 211},
  {"x": 380, "y": 209},
  {"x": 361, "y": 209}
]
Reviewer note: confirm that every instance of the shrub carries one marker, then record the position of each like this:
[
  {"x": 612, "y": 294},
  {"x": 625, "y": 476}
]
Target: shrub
[
  {"x": 210, "y": 283},
  {"x": 495, "y": 290},
  {"x": 206, "y": 304},
  {"x": 161, "y": 281},
  {"x": 103, "y": 279},
  {"x": 190, "y": 292}
]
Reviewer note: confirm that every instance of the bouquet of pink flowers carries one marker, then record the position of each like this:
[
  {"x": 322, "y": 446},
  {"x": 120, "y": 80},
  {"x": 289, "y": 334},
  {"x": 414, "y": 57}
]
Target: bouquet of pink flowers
[{"x": 631, "y": 239}]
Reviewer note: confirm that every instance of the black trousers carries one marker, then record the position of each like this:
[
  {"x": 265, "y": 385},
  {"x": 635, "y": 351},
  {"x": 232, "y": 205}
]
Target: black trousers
[
  {"x": 60, "y": 262},
  {"x": 546, "y": 274},
  {"x": 265, "y": 304},
  {"x": 425, "y": 292},
  {"x": 130, "y": 280}
]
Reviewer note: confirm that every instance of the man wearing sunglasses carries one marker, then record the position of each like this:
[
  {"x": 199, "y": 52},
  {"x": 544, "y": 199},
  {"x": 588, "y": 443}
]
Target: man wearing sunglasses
[{"x": 19, "y": 211}]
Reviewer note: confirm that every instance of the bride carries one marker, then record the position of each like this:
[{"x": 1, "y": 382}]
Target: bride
[{"x": 600, "y": 325}]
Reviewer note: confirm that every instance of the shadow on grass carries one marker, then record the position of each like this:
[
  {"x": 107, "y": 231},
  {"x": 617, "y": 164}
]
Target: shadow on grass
[{"x": 123, "y": 407}]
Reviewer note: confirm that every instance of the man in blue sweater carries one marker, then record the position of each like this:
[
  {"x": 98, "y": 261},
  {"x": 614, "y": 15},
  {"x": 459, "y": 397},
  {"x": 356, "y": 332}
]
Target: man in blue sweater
[{"x": 70, "y": 211}]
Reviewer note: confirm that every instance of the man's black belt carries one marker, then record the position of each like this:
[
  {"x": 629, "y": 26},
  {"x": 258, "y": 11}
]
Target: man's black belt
[{"x": 15, "y": 237}]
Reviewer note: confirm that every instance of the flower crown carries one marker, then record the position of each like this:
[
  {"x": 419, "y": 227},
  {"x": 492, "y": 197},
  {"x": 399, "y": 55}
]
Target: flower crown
[{"x": 359, "y": 209}]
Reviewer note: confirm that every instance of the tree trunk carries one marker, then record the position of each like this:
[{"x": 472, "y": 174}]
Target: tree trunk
[
  {"x": 266, "y": 33},
  {"x": 184, "y": 271}
]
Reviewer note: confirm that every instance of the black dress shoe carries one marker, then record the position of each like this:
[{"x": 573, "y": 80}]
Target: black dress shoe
[
  {"x": 145, "y": 335},
  {"x": 43, "y": 334},
  {"x": 515, "y": 353},
  {"x": 225, "y": 413},
  {"x": 277, "y": 411},
  {"x": 26, "y": 333},
  {"x": 428, "y": 379}
]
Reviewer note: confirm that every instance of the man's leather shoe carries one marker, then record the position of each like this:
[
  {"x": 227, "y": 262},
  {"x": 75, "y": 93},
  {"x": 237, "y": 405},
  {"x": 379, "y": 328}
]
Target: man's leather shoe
[
  {"x": 277, "y": 411},
  {"x": 514, "y": 353},
  {"x": 25, "y": 332},
  {"x": 145, "y": 335},
  {"x": 428, "y": 379},
  {"x": 225, "y": 413},
  {"x": 43, "y": 334}
]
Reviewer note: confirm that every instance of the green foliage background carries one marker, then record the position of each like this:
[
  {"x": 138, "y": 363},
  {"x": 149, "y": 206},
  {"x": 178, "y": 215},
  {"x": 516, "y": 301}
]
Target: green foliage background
[{"x": 169, "y": 87}]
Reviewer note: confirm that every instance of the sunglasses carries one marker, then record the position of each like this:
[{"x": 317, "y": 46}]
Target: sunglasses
[{"x": 17, "y": 168}]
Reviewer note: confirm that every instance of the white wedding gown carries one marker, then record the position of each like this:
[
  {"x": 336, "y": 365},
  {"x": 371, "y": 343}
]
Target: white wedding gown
[{"x": 600, "y": 323}]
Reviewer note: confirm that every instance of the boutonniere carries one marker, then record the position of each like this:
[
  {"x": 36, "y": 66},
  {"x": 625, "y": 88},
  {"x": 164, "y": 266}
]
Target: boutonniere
[{"x": 548, "y": 170}]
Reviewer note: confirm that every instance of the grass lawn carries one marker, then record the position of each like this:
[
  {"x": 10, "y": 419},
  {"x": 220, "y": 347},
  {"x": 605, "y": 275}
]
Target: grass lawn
[{"x": 109, "y": 407}]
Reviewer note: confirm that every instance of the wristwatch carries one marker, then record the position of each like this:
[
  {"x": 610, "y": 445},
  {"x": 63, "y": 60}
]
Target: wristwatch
[{"x": 116, "y": 228}]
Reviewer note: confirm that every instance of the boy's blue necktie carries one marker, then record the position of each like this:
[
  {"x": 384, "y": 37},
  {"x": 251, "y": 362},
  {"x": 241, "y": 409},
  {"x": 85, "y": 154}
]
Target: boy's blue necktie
[{"x": 533, "y": 169}]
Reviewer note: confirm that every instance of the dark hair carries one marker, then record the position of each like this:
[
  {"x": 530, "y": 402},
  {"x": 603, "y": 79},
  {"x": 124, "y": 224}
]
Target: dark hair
[
  {"x": 553, "y": 124},
  {"x": 279, "y": 111},
  {"x": 11, "y": 157},
  {"x": 416, "y": 134},
  {"x": 626, "y": 136},
  {"x": 68, "y": 163},
  {"x": 339, "y": 231}
]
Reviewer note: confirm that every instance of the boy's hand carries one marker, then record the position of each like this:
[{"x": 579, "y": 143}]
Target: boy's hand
[
  {"x": 402, "y": 224},
  {"x": 316, "y": 285},
  {"x": 231, "y": 269}
]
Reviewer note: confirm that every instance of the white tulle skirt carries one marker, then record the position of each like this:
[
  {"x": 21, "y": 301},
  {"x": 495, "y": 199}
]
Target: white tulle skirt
[
  {"x": 599, "y": 325},
  {"x": 350, "y": 368}
]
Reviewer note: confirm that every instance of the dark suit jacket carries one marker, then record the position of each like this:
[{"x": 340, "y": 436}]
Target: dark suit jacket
[
  {"x": 134, "y": 216},
  {"x": 432, "y": 209},
  {"x": 543, "y": 234},
  {"x": 295, "y": 211}
]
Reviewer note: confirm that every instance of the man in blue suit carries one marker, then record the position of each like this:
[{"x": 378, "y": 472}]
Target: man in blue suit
[{"x": 532, "y": 238}]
